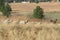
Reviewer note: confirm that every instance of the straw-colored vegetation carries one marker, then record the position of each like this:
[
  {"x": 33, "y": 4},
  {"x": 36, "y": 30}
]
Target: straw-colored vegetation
[
  {"x": 30, "y": 31},
  {"x": 18, "y": 28}
]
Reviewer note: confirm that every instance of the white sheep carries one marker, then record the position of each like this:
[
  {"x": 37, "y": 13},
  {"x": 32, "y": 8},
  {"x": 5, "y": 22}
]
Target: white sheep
[
  {"x": 10, "y": 21},
  {"x": 14, "y": 22},
  {"x": 5, "y": 21},
  {"x": 22, "y": 22}
]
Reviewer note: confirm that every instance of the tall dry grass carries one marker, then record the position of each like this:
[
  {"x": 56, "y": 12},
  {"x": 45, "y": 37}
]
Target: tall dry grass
[{"x": 44, "y": 31}]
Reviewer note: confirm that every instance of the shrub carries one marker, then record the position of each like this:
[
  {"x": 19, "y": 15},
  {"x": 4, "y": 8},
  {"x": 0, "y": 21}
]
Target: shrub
[
  {"x": 38, "y": 12},
  {"x": 1, "y": 4},
  {"x": 6, "y": 9}
]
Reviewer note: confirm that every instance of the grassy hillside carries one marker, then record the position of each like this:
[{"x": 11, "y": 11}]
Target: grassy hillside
[
  {"x": 28, "y": 7},
  {"x": 44, "y": 31},
  {"x": 35, "y": 29}
]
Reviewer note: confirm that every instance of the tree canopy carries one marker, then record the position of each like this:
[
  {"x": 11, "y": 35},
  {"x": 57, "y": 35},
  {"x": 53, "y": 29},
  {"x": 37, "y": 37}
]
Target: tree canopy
[
  {"x": 38, "y": 12},
  {"x": 5, "y": 8}
]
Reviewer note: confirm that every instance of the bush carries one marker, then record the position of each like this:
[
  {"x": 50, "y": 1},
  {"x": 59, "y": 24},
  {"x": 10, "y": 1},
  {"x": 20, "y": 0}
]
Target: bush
[
  {"x": 38, "y": 12},
  {"x": 1, "y": 4},
  {"x": 6, "y": 10}
]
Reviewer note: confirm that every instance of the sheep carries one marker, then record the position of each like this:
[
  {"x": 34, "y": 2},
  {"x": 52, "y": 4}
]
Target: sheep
[
  {"x": 23, "y": 22},
  {"x": 5, "y": 21},
  {"x": 26, "y": 21},
  {"x": 14, "y": 22},
  {"x": 37, "y": 24},
  {"x": 18, "y": 22},
  {"x": 10, "y": 21},
  {"x": 54, "y": 21}
]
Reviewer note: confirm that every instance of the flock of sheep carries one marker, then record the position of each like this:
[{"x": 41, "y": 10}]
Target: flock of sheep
[
  {"x": 9, "y": 21},
  {"x": 16, "y": 21}
]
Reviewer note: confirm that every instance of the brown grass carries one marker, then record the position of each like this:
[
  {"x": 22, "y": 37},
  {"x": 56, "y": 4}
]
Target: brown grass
[
  {"x": 28, "y": 7},
  {"x": 44, "y": 31}
]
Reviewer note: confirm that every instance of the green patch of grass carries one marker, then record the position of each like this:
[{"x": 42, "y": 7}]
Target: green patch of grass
[{"x": 52, "y": 15}]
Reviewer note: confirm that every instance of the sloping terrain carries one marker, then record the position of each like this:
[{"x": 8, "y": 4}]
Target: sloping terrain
[
  {"x": 28, "y": 7},
  {"x": 30, "y": 31}
]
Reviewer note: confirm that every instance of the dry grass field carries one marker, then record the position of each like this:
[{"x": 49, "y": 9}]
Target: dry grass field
[
  {"x": 33, "y": 30},
  {"x": 30, "y": 31},
  {"x": 28, "y": 7},
  {"x": 16, "y": 28}
]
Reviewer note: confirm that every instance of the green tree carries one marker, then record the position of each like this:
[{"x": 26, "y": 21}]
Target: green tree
[
  {"x": 6, "y": 10},
  {"x": 38, "y": 12},
  {"x": 1, "y": 4}
]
